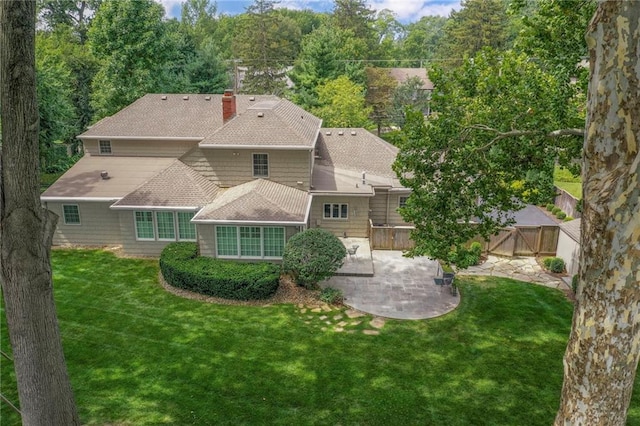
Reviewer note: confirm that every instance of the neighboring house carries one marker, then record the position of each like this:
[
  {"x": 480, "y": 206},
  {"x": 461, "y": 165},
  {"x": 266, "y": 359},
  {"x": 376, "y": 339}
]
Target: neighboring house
[
  {"x": 237, "y": 174},
  {"x": 569, "y": 245},
  {"x": 401, "y": 75}
]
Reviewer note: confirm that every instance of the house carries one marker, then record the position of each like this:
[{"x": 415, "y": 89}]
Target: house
[{"x": 238, "y": 174}]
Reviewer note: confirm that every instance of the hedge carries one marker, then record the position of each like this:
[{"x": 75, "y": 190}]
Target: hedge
[{"x": 183, "y": 268}]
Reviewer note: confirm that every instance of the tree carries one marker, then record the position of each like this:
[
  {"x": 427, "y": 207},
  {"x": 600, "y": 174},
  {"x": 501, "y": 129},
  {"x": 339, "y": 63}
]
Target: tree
[
  {"x": 421, "y": 40},
  {"x": 26, "y": 231},
  {"x": 312, "y": 256},
  {"x": 483, "y": 153},
  {"x": 409, "y": 94},
  {"x": 267, "y": 43},
  {"x": 604, "y": 346},
  {"x": 129, "y": 39},
  {"x": 342, "y": 104},
  {"x": 380, "y": 88},
  {"x": 198, "y": 17},
  {"x": 355, "y": 16},
  {"x": 75, "y": 14},
  {"x": 479, "y": 24}
]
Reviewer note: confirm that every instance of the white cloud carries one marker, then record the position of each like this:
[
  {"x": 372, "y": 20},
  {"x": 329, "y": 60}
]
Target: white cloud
[
  {"x": 171, "y": 7},
  {"x": 413, "y": 10}
]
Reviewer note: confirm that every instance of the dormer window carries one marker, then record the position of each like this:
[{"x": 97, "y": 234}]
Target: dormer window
[
  {"x": 261, "y": 165},
  {"x": 105, "y": 147}
]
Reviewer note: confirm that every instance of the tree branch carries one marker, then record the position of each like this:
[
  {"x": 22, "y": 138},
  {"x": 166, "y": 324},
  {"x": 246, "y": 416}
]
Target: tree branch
[{"x": 566, "y": 132}]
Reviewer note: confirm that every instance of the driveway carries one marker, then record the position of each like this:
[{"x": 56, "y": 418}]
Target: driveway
[{"x": 401, "y": 288}]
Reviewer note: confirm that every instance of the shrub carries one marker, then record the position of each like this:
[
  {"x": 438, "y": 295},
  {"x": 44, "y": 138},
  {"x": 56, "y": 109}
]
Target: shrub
[
  {"x": 183, "y": 268},
  {"x": 579, "y": 206},
  {"x": 555, "y": 210},
  {"x": 332, "y": 296},
  {"x": 554, "y": 264},
  {"x": 550, "y": 206},
  {"x": 312, "y": 256},
  {"x": 464, "y": 257},
  {"x": 561, "y": 215},
  {"x": 568, "y": 218}
]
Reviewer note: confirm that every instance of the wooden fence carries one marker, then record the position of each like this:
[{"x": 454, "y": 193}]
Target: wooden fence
[{"x": 541, "y": 240}]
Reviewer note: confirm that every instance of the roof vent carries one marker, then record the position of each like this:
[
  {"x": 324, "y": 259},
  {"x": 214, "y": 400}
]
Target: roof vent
[
  {"x": 185, "y": 98},
  {"x": 163, "y": 97},
  {"x": 207, "y": 98},
  {"x": 328, "y": 133},
  {"x": 364, "y": 178},
  {"x": 261, "y": 114},
  {"x": 340, "y": 133},
  {"x": 353, "y": 133},
  {"x": 252, "y": 98},
  {"x": 105, "y": 175}
]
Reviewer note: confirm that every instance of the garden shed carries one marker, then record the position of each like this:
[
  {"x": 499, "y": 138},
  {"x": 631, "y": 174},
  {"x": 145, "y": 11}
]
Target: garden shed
[{"x": 569, "y": 245}]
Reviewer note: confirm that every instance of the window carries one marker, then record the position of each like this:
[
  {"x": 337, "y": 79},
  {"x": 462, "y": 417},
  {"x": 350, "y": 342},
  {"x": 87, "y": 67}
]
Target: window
[
  {"x": 165, "y": 225},
  {"x": 261, "y": 165},
  {"x": 273, "y": 241},
  {"x": 402, "y": 201},
  {"x": 144, "y": 226},
  {"x": 227, "y": 240},
  {"x": 186, "y": 229},
  {"x": 71, "y": 213},
  {"x": 336, "y": 211},
  {"x": 250, "y": 241},
  {"x": 105, "y": 147}
]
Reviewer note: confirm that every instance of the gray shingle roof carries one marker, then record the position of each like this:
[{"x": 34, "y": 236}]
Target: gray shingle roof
[
  {"x": 277, "y": 123},
  {"x": 257, "y": 201},
  {"x": 176, "y": 186},
  {"x": 359, "y": 152},
  {"x": 401, "y": 75},
  {"x": 572, "y": 229},
  {"x": 83, "y": 180},
  {"x": 173, "y": 117}
]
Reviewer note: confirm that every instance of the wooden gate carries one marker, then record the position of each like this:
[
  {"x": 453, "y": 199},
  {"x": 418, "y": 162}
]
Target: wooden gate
[
  {"x": 524, "y": 241},
  {"x": 390, "y": 237}
]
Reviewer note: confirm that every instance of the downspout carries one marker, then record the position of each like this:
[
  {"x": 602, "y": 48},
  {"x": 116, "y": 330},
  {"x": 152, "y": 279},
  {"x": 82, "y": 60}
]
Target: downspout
[{"x": 386, "y": 216}]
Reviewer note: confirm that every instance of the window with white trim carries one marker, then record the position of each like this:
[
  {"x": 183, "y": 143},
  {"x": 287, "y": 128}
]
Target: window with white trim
[
  {"x": 336, "y": 211},
  {"x": 105, "y": 147},
  {"x": 186, "y": 229},
  {"x": 71, "y": 214},
  {"x": 254, "y": 242},
  {"x": 165, "y": 226},
  {"x": 402, "y": 200},
  {"x": 260, "y": 165},
  {"x": 144, "y": 226}
]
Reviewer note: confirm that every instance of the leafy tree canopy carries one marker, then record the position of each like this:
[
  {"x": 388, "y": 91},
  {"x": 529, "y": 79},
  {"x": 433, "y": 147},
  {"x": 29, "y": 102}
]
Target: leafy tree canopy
[
  {"x": 483, "y": 153},
  {"x": 342, "y": 104}
]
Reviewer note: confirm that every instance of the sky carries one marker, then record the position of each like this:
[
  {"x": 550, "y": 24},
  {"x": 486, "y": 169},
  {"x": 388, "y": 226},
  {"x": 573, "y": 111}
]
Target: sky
[{"x": 406, "y": 10}]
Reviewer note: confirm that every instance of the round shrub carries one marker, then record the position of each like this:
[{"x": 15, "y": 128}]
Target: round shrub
[
  {"x": 561, "y": 215},
  {"x": 182, "y": 267},
  {"x": 550, "y": 206},
  {"x": 568, "y": 219},
  {"x": 554, "y": 264},
  {"x": 332, "y": 296},
  {"x": 312, "y": 256},
  {"x": 555, "y": 210}
]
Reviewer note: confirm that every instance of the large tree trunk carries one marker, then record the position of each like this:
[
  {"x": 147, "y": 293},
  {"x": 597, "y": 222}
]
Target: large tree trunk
[
  {"x": 602, "y": 355},
  {"x": 26, "y": 230}
]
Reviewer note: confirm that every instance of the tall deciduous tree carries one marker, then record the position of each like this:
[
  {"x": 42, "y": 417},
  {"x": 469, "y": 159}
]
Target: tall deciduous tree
[
  {"x": 342, "y": 104},
  {"x": 76, "y": 14},
  {"x": 421, "y": 40},
  {"x": 26, "y": 230},
  {"x": 604, "y": 347},
  {"x": 129, "y": 39}
]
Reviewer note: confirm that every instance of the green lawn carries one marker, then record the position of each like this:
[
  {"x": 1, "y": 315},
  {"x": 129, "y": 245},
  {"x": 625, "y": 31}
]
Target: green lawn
[
  {"x": 565, "y": 180},
  {"x": 140, "y": 356}
]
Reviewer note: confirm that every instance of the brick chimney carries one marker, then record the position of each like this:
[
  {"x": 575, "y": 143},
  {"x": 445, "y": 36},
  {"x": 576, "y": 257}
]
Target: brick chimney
[{"x": 228, "y": 105}]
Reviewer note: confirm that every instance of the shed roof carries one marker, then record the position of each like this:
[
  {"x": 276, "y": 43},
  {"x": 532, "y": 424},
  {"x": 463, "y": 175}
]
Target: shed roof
[
  {"x": 273, "y": 123},
  {"x": 125, "y": 174},
  {"x": 176, "y": 186},
  {"x": 169, "y": 116},
  {"x": 258, "y": 201},
  {"x": 572, "y": 229}
]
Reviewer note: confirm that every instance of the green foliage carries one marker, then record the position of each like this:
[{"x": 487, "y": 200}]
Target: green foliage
[
  {"x": 408, "y": 95},
  {"x": 463, "y": 161},
  {"x": 331, "y": 296},
  {"x": 342, "y": 104},
  {"x": 550, "y": 206},
  {"x": 554, "y": 264},
  {"x": 312, "y": 256},
  {"x": 379, "y": 95},
  {"x": 555, "y": 210},
  {"x": 568, "y": 218},
  {"x": 422, "y": 38},
  {"x": 464, "y": 257},
  {"x": 574, "y": 283},
  {"x": 183, "y": 268},
  {"x": 561, "y": 215}
]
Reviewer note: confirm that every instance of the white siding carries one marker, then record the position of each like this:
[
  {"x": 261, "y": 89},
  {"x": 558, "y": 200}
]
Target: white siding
[
  {"x": 99, "y": 226},
  {"x": 569, "y": 250},
  {"x": 357, "y": 223},
  {"x": 227, "y": 167},
  {"x": 142, "y": 148}
]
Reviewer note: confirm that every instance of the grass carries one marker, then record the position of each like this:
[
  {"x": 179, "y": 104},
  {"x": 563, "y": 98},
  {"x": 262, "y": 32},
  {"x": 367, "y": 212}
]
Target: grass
[
  {"x": 564, "y": 179},
  {"x": 140, "y": 356}
]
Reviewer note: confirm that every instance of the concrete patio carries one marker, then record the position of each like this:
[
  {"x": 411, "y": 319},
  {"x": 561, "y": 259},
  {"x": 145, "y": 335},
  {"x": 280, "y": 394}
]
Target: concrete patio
[{"x": 360, "y": 264}]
